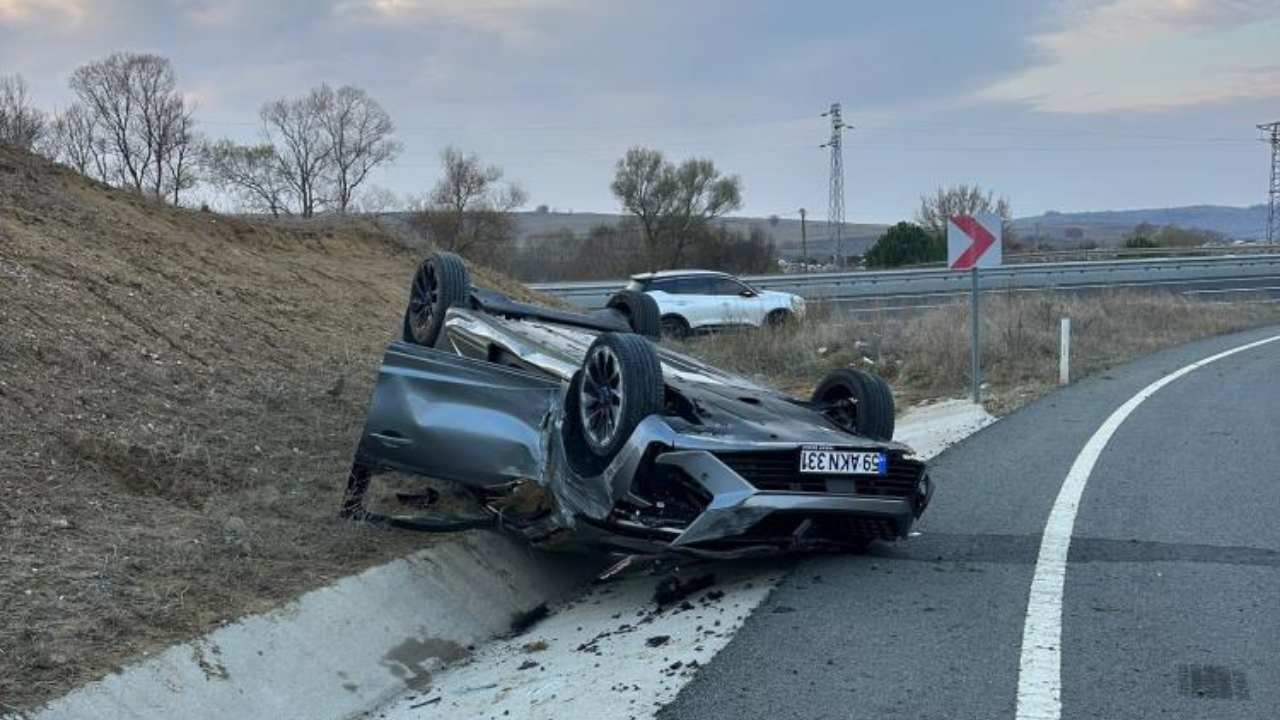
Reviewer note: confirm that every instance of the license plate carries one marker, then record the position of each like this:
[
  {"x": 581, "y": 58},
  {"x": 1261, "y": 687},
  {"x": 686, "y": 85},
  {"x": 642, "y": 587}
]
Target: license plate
[{"x": 833, "y": 461}]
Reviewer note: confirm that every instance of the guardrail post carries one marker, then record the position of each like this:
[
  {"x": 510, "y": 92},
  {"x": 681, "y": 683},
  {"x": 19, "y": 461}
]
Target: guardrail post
[
  {"x": 975, "y": 339},
  {"x": 1064, "y": 353}
]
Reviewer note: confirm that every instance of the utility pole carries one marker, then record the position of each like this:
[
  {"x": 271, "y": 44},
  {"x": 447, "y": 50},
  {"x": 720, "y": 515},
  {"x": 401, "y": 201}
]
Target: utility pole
[
  {"x": 835, "y": 216},
  {"x": 1271, "y": 134},
  {"x": 804, "y": 241}
]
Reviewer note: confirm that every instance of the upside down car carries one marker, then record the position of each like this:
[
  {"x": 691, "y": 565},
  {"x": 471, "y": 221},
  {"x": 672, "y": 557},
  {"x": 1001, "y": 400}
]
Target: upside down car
[{"x": 578, "y": 431}]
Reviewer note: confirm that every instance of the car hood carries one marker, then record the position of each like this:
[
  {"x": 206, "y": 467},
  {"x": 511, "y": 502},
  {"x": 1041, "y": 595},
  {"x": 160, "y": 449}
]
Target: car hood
[{"x": 780, "y": 297}]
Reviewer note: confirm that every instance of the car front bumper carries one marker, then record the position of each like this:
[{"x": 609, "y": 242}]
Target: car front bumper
[{"x": 737, "y": 506}]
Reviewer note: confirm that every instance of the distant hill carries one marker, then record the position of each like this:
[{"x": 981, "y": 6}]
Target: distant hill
[
  {"x": 1064, "y": 230},
  {"x": 858, "y": 237},
  {"x": 1110, "y": 226}
]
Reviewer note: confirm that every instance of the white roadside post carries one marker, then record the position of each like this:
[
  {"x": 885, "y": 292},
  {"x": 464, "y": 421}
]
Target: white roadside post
[
  {"x": 975, "y": 242},
  {"x": 1064, "y": 353}
]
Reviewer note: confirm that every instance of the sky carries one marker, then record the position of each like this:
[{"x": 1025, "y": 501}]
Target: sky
[{"x": 1064, "y": 105}]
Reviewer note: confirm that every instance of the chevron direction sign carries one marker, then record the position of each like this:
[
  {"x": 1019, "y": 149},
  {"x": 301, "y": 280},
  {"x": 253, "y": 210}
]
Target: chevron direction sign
[{"x": 973, "y": 241}]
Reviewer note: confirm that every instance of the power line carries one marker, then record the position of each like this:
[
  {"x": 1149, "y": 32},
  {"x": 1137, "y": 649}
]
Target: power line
[
  {"x": 1271, "y": 133},
  {"x": 835, "y": 216},
  {"x": 910, "y": 127}
]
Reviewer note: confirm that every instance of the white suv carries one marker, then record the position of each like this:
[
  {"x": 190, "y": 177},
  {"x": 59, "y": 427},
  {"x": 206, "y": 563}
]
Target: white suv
[{"x": 702, "y": 299}]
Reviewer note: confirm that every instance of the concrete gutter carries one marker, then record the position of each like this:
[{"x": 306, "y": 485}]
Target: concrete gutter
[{"x": 337, "y": 651}]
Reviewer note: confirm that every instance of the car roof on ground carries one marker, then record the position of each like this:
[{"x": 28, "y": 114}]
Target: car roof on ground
[{"x": 664, "y": 274}]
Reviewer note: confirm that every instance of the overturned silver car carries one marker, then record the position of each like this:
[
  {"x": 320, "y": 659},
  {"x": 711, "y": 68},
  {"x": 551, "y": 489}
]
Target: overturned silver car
[{"x": 577, "y": 431}]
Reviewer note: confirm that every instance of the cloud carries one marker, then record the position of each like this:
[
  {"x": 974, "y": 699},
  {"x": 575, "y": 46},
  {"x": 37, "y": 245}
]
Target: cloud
[
  {"x": 34, "y": 12},
  {"x": 507, "y": 18},
  {"x": 1149, "y": 54}
]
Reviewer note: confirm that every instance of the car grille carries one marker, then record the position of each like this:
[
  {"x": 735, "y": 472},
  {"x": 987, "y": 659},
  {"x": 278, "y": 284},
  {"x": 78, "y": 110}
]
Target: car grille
[{"x": 779, "y": 472}]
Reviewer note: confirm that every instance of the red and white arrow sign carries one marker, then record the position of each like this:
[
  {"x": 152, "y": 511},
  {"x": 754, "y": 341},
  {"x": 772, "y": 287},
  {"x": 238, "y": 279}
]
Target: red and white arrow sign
[{"x": 974, "y": 241}]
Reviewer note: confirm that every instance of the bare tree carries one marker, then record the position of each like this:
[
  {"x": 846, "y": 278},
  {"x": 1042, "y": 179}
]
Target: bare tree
[
  {"x": 359, "y": 133},
  {"x": 469, "y": 210},
  {"x": 948, "y": 202},
  {"x": 674, "y": 204},
  {"x": 183, "y": 146},
  {"x": 144, "y": 124},
  {"x": 21, "y": 124},
  {"x": 75, "y": 140},
  {"x": 295, "y": 127},
  {"x": 109, "y": 89},
  {"x": 252, "y": 173}
]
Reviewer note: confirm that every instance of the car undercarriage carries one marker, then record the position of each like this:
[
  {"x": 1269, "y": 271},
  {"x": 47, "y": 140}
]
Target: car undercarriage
[{"x": 578, "y": 432}]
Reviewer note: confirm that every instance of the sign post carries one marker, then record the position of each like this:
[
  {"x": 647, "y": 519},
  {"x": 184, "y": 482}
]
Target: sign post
[
  {"x": 975, "y": 338},
  {"x": 974, "y": 242}
]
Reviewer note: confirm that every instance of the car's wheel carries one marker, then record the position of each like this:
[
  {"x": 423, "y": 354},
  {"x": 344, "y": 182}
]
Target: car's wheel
[
  {"x": 857, "y": 401},
  {"x": 674, "y": 326},
  {"x": 441, "y": 282},
  {"x": 779, "y": 318},
  {"x": 620, "y": 385},
  {"x": 640, "y": 310}
]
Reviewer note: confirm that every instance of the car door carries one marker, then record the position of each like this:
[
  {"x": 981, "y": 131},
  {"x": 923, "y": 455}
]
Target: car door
[
  {"x": 705, "y": 308},
  {"x": 456, "y": 418},
  {"x": 678, "y": 296},
  {"x": 739, "y": 304}
]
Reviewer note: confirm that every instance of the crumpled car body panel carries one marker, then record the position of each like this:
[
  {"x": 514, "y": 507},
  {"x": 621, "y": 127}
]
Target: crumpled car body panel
[{"x": 716, "y": 476}]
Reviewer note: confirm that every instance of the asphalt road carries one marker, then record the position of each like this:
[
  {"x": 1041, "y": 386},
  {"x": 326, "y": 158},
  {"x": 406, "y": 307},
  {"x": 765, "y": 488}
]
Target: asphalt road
[{"x": 1171, "y": 606}]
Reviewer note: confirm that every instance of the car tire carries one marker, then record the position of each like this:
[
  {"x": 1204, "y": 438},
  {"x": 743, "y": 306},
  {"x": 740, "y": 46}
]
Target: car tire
[
  {"x": 640, "y": 310},
  {"x": 779, "y": 318},
  {"x": 620, "y": 385},
  {"x": 441, "y": 282},
  {"x": 674, "y": 326},
  {"x": 860, "y": 402}
]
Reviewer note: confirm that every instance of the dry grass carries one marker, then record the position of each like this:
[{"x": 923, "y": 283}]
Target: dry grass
[
  {"x": 927, "y": 355},
  {"x": 180, "y": 393}
]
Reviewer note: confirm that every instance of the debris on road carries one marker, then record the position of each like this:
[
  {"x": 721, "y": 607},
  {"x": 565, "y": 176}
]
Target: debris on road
[{"x": 673, "y": 588}]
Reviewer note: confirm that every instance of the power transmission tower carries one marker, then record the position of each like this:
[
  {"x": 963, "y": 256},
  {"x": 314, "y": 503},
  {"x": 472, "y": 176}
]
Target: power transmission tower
[
  {"x": 1271, "y": 134},
  {"x": 835, "y": 216}
]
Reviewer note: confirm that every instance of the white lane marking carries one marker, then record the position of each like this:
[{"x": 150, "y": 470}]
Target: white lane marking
[{"x": 1040, "y": 668}]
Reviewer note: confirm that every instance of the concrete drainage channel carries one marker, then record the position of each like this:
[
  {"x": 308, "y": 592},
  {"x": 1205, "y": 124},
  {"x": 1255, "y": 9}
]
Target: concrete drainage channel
[
  {"x": 415, "y": 638},
  {"x": 339, "y": 650}
]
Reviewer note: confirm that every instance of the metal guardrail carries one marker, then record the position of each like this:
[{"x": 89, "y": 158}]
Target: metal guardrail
[
  {"x": 1121, "y": 253},
  {"x": 871, "y": 285}
]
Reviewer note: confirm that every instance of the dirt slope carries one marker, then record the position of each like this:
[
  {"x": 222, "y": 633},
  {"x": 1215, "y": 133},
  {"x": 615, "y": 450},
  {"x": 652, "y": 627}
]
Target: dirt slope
[{"x": 179, "y": 395}]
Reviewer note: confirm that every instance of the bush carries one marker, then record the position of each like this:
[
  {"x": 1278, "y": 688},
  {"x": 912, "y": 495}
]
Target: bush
[
  {"x": 906, "y": 244},
  {"x": 1138, "y": 242}
]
